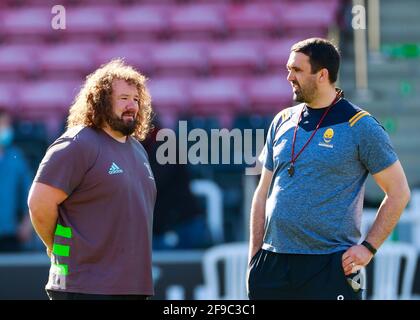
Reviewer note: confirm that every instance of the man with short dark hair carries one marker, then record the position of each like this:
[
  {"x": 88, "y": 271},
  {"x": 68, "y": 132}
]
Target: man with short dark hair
[
  {"x": 93, "y": 197},
  {"x": 306, "y": 211}
]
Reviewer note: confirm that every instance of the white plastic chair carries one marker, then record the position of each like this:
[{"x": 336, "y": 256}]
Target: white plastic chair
[
  {"x": 387, "y": 269},
  {"x": 214, "y": 206},
  {"x": 234, "y": 258}
]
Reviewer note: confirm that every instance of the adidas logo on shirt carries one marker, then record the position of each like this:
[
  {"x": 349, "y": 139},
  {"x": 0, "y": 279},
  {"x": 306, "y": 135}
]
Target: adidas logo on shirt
[{"x": 114, "y": 169}]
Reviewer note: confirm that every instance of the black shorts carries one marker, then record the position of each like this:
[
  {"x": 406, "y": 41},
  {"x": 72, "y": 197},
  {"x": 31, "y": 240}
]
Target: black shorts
[
  {"x": 61, "y": 295},
  {"x": 301, "y": 277}
]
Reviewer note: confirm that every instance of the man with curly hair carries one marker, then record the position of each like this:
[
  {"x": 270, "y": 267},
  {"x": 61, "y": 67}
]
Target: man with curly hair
[{"x": 93, "y": 196}]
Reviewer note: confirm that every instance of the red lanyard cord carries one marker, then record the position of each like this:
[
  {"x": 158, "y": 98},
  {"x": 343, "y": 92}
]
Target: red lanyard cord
[{"x": 291, "y": 169}]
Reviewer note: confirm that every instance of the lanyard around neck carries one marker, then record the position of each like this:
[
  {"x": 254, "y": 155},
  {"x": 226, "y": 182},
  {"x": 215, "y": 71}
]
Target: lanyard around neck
[{"x": 291, "y": 169}]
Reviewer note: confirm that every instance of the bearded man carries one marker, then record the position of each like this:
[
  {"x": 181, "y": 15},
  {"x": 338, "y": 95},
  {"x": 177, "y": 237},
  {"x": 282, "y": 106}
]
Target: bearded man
[{"x": 93, "y": 196}]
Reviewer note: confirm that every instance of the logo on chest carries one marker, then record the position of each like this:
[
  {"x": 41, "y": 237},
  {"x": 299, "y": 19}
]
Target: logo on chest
[
  {"x": 114, "y": 169},
  {"x": 327, "y": 137}
]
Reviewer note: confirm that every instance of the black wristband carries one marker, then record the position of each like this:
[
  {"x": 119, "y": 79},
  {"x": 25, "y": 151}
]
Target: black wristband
[{"x": 369, "y": 246}]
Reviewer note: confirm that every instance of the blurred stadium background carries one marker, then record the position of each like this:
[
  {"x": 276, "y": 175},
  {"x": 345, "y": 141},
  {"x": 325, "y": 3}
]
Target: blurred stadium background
[{"x": 215, "y": 64}]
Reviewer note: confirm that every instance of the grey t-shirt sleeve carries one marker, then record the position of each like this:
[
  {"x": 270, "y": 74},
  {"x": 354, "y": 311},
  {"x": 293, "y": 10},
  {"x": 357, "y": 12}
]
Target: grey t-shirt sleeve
[
  {"x": 266, "y": 155},
  {"x": 375, "y": 148},
  {"x": 65, "y": 164}
]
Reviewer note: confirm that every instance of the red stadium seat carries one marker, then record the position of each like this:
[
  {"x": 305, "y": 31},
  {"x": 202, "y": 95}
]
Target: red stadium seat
[
  {"x": 218, "y": 97},
  {"x": 96, "y": 2},
  {"x": 170, "y": 98},
  {"x": 172, "y": 2},
  {"x": 276, "y": 53},
  {"x": 68, "y": 60},
  {"x": 269, "y": 94},
  {"x": 179, "y": 58},
  {"x": 23, "y": 24},
  {"x": 16, "y": 61},
  {"x": 47, "y": 101},
  {"x": 45, "y": 3},
  {"x": 236, "y": 58},
  {"x": 314, "y": 17},
  {"x": 7, "y": 97},
  {"x": 89, "y": 22},
  {"x": 169, "y": 94},
  {"x": 252, "y": 20},
  {"x": 47, "y": 98},
  {"x": 134, "y": 54},
  {"x": 141, "y": 22},
  {"x": 197, "y": 21}
]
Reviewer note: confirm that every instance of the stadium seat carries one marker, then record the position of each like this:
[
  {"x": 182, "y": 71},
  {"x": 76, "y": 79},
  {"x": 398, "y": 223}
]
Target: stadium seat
[
  {"x": 16, "y": 61},
  {"x": 141, "y": 22},
  {"x": 197, "y": 21},
  {"x": 49, "y": 3},
  {"x": 7, "y": 94},
  {"x": 91, "y": 22},
  {"x": 276, "y": 53},
  {"x": 24, "y": 24},
  {"x": 299, "y": 16},
  {"x": 218, "y": 97},
  {"x": 170, "y": 93},
  {"x": 229, "y": 262},
  {"x": 214, "y": 206},
  {"x": 172, "y": 2},
  {"x": 214, "y": 94},
  {"x": 387, "y": 269},
  {"x": 269, "y": 94},
  {"x": 394, "y": 265},
  {"x": 170, "y": 98},
  {"x": 251, "y": 19},
  {"x": 95, "y": 2},
  {"x": 133, "y": 53},
  {"x": 47, "y": 98},
  {"x": 179, "y": 58},
  {"x": 235, "y": 58},
  {"x": 67, "y": 60}
]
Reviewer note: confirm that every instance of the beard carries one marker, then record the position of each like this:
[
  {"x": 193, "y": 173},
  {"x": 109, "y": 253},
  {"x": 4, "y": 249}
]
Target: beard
[
  {"x": 126, "y": 127},
  {"x": 304, "y": 94}
]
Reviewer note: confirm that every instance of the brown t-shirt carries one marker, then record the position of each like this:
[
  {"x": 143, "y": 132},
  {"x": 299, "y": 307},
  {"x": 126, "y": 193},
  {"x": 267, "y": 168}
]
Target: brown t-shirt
[{"x": 103, "y": 240}]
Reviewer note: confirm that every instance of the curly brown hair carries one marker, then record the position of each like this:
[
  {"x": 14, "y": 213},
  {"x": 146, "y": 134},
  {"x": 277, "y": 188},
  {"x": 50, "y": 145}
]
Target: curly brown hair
[{"x": 92, "y": 106}]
